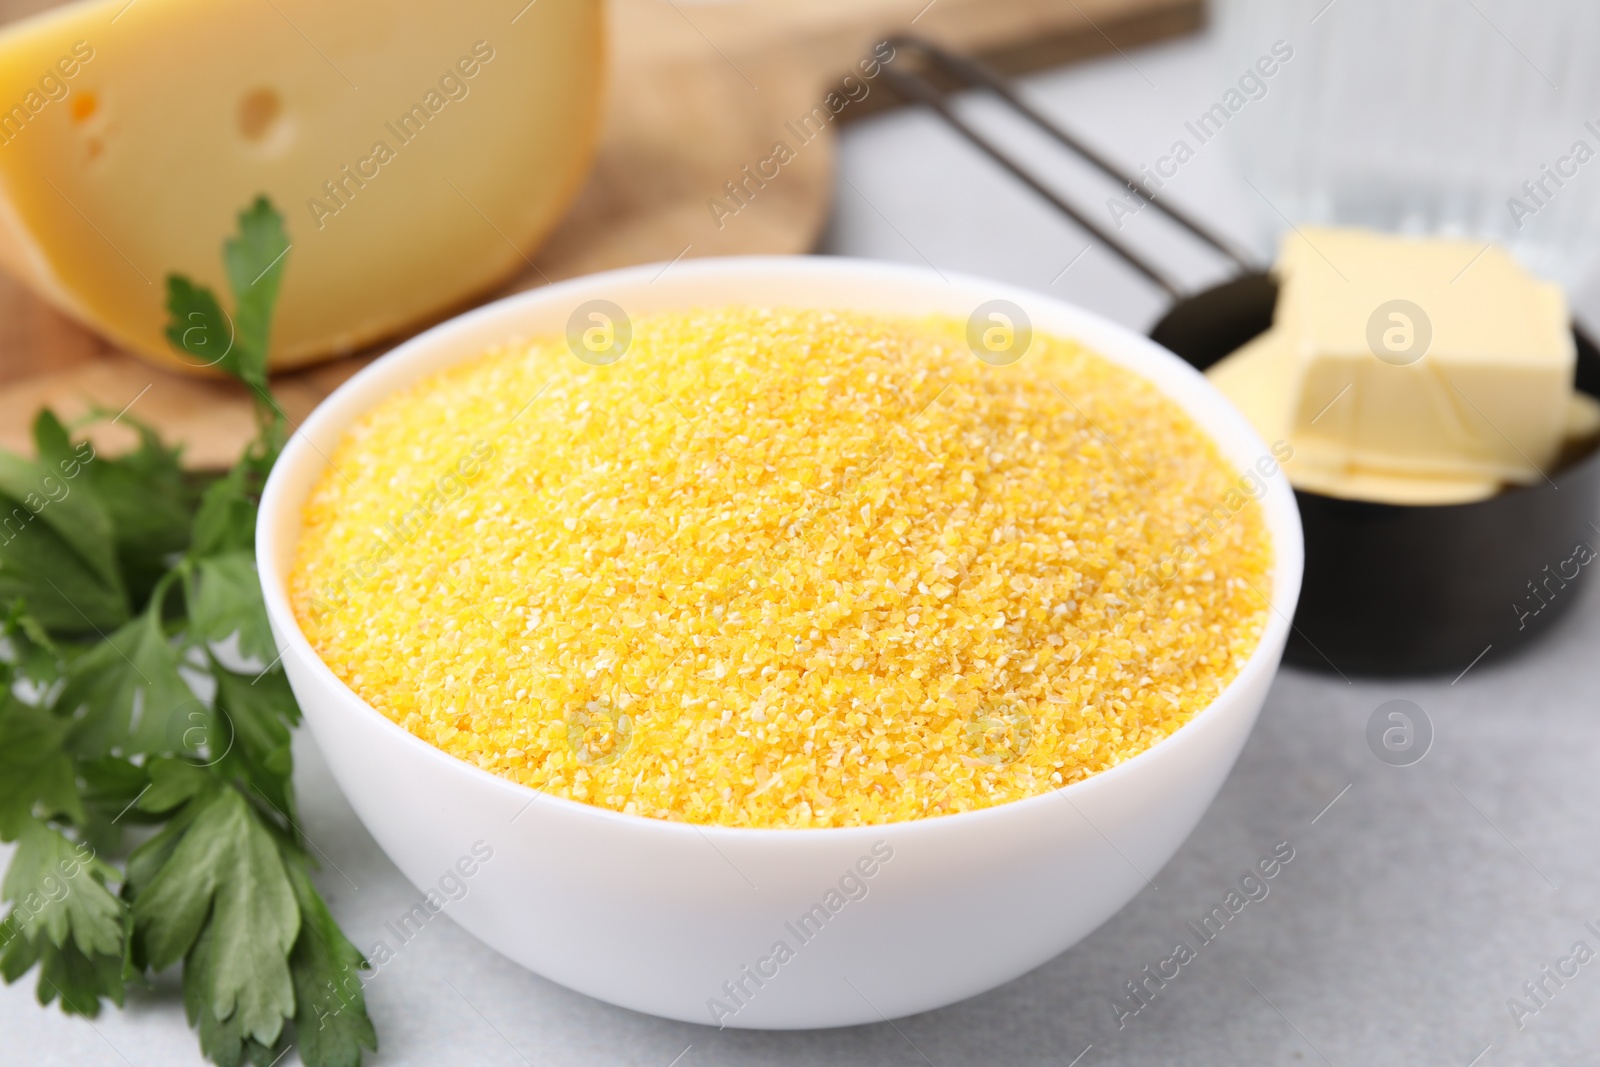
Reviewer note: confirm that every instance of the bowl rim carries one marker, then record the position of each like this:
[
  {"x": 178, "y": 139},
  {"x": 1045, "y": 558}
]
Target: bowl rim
[{"x": 1278, "y": 502}]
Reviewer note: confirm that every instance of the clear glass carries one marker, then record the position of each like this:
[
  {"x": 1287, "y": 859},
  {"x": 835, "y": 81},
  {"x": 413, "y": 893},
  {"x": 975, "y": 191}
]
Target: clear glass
[{"x": 1470, "y": 118}]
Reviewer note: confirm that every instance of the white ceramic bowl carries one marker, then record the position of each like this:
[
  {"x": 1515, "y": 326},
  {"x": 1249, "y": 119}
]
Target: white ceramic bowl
[{"x": 674, "y": 919}]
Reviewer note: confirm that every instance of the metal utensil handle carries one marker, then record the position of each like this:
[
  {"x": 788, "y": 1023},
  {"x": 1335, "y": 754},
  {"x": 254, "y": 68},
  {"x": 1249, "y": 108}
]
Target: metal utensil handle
[{"x": 968, "y": 73}]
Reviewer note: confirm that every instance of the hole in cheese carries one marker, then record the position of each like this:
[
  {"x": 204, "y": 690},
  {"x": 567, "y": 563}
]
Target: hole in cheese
[{"x": 259, "y": 112}]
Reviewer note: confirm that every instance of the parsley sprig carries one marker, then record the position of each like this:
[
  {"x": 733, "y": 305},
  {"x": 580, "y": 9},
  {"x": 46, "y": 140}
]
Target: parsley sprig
[{"x": 139, "y": 687}]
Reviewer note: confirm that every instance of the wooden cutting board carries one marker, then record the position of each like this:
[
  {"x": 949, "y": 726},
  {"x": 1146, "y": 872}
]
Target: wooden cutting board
[{"x": 698, "y": 90}]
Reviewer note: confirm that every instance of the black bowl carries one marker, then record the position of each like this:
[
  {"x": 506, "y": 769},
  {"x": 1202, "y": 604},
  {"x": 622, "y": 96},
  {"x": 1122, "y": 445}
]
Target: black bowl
[{"x": 1416, "y": 590}]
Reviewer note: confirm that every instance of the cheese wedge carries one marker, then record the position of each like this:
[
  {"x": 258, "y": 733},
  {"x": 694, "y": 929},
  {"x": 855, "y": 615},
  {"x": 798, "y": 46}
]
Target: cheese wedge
[{"x": 418, "y": 151}]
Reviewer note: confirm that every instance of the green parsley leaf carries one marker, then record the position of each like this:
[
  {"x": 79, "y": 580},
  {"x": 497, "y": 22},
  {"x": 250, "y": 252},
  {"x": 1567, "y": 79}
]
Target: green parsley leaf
[
  {"x": 198, "y": 325},
  {"x": 112, "y": 782},
  {"x": 255, "y": 262},
  {"x": 150, "y": 858},
  {"x": 226, "y": 599},
  {"x": 41, "y": 569},
  {"x": 57, "y": 550},
  {"x": 226, "y": 520},
  {"x": 65, "y": 972},
  {"x": 331, "y": 1024},
  {"x": 173, "y": 782},
  {"x": 109, "y": 787},
  {"x": 254, "y": 714},
  {"x": 146, "y": 496},
  {"x": 129, "y": 691},
  {"x": 64, "y": 887},
  {"x": 36, "y": 774},
  {"x": 64, "y": 918},
  {"x": 33, "y": 656},
  {"x": 51, "y": 439},
  {"x": 238, "y": 345},
  {"x": 151, "y": 502},
  {"x": 223, "y": 1041},
  {"x": 99, "y": 732},
  {"x": 226, "y": 874}
]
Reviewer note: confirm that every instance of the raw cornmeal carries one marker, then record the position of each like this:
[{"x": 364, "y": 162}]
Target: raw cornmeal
[{"x": 780, "y": 568}]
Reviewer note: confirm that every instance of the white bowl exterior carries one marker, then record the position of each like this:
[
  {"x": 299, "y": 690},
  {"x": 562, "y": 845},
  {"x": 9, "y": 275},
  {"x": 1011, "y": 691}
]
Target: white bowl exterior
[{"x": 658, "y": 916}]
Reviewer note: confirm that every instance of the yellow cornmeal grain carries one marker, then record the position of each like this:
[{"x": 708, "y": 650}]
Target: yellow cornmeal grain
[{"x": 784, "y": 568}]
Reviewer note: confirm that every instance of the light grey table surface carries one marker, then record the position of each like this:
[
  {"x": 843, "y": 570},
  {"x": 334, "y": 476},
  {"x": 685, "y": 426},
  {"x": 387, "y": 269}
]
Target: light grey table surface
[{"x": 1415, "y": 906}]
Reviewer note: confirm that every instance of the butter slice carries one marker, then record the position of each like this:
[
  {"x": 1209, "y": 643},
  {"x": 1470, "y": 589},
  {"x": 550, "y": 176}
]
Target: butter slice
[
  {"x": 1583, "y": 419},
  {"x": 1355, "y": 484},
  {"x": 1256, "y": 379},
  {"x": 1486, "y": 400}
]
